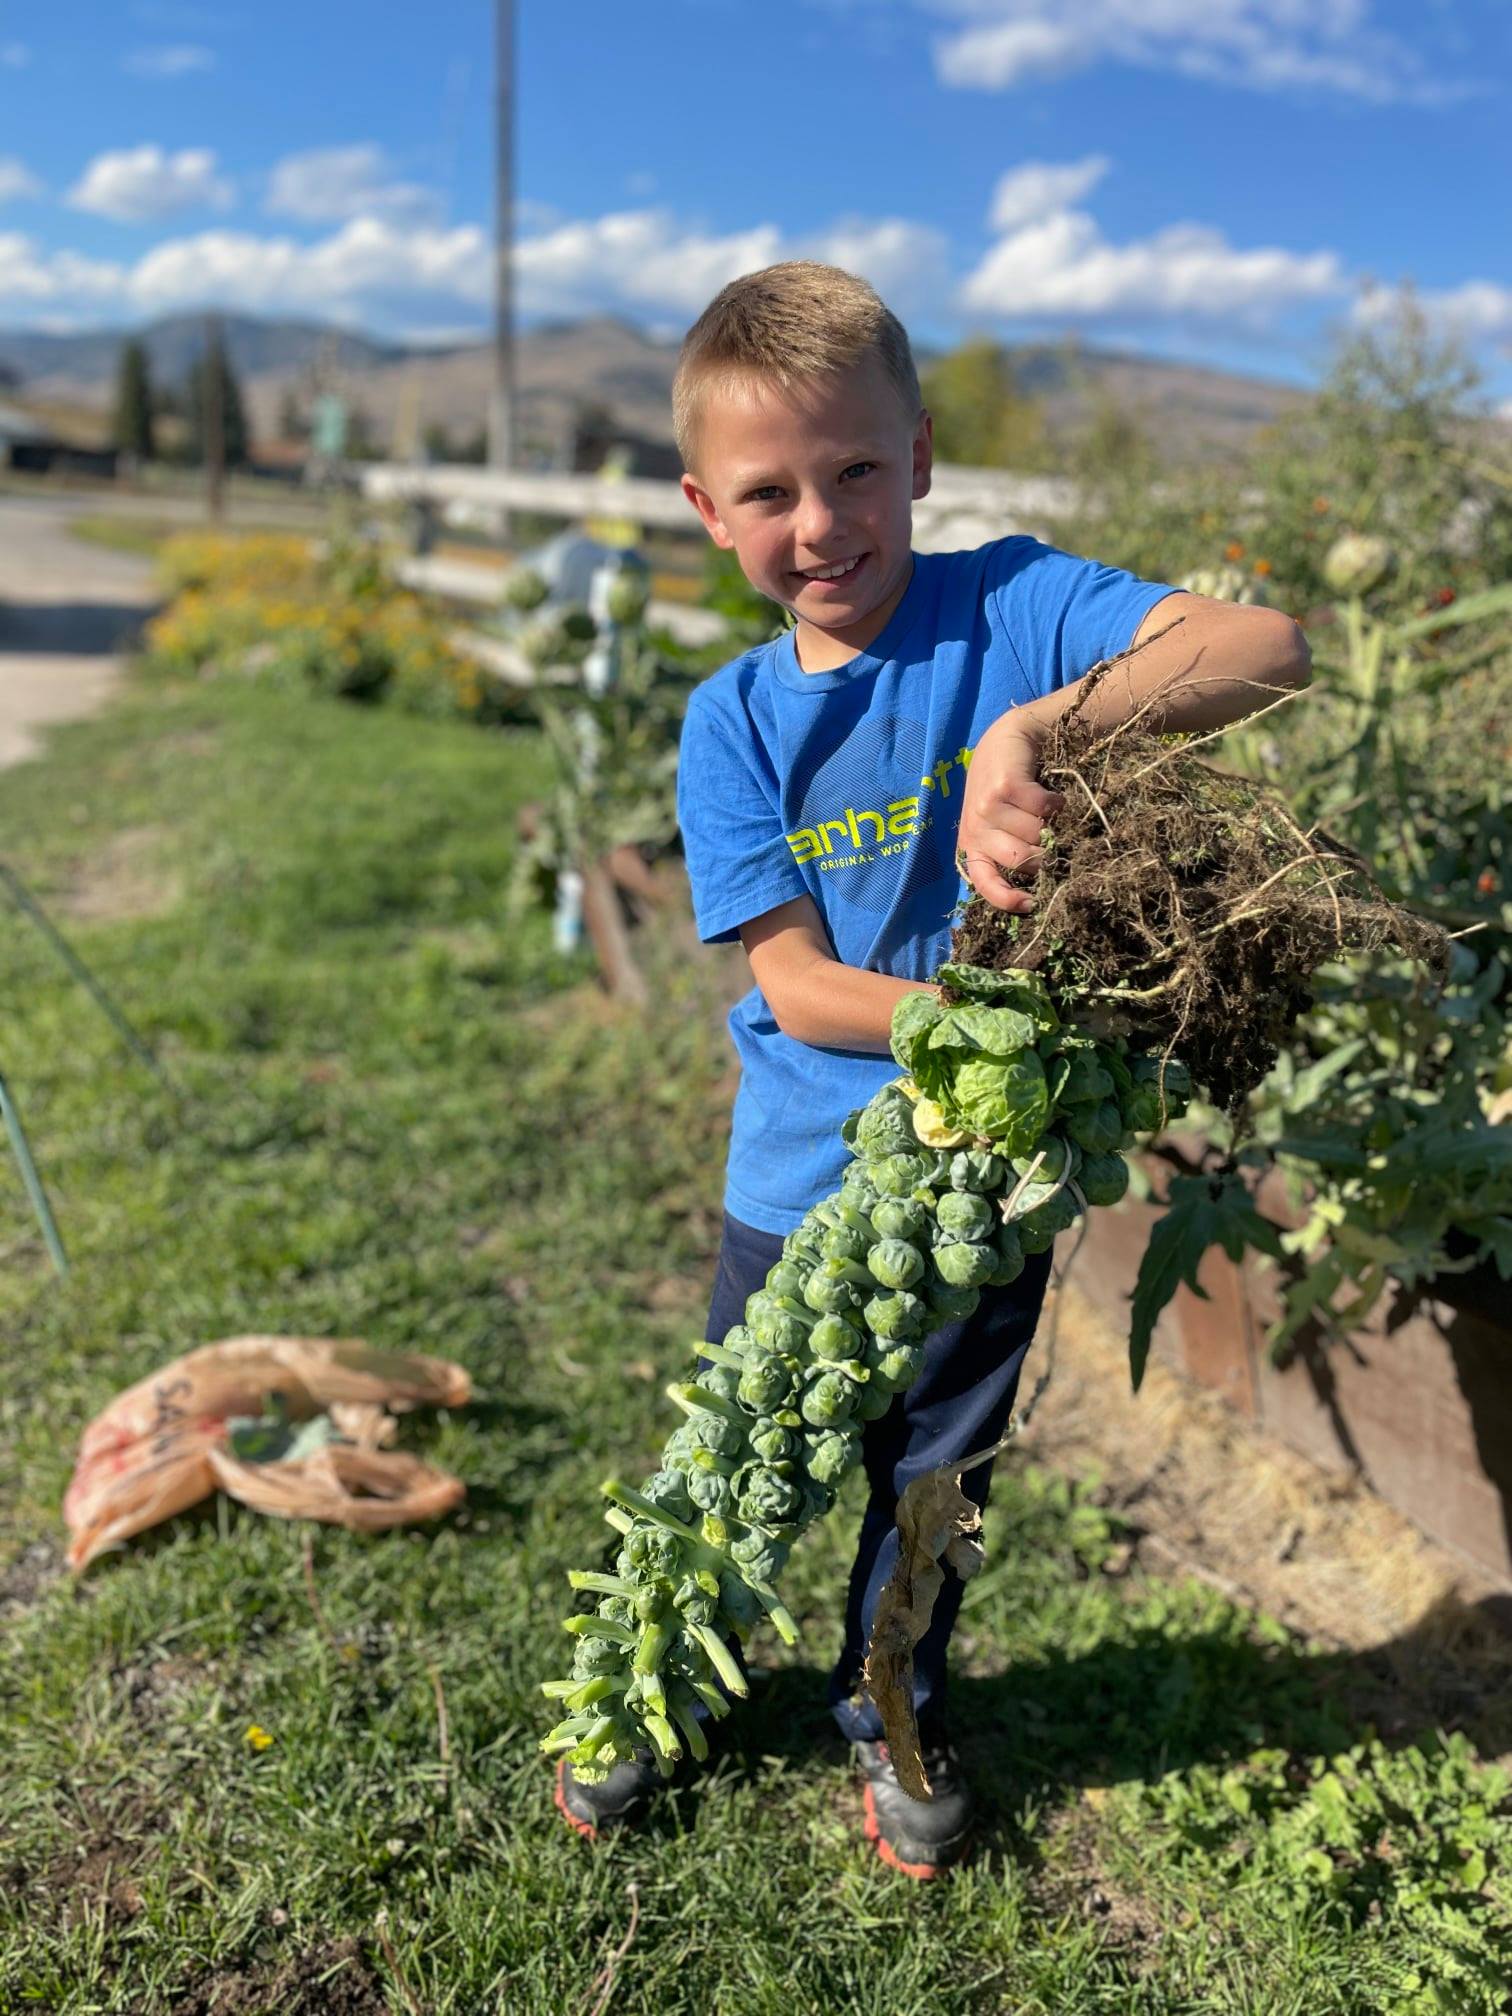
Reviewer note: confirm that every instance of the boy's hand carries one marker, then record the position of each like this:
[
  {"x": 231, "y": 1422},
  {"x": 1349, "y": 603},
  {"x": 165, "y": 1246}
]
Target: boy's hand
[{"x": 1005, "y": 809}]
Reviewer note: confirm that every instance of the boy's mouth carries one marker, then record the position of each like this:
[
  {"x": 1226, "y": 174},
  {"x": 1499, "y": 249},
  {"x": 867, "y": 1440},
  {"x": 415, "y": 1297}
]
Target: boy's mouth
[{"x": 827, "y": 580}]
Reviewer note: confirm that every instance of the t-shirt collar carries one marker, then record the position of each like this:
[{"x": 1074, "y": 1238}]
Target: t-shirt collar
[{"x": 884, "y": 645}]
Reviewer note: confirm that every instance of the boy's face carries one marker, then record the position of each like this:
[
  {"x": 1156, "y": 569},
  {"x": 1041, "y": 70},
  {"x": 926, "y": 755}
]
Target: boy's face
[{"x": 797, "y": 483}]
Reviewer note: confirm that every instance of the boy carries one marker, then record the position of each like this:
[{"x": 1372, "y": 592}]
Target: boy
[{"x": 831, "y": 785}]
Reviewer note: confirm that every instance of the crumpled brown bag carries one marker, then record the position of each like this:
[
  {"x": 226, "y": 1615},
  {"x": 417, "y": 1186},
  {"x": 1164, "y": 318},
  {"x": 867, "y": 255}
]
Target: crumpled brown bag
[{"x": 163, "y": 1444}]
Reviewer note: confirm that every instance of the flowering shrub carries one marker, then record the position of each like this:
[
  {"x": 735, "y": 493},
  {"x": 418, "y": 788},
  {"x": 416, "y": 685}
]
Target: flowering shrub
[{"x": 332, "y": 621}]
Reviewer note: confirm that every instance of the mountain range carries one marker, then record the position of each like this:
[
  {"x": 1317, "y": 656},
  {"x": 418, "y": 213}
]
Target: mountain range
[{"x": 600, "y": 363}]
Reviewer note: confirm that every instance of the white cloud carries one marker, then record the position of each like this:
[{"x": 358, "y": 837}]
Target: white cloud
[
  {"x": 1256, "y": 45},
  {"x": 136, "y": 185},
  {"x": 1037, "y": 187},
  {"x": 16, "y": 180},
  {"x": 637, "y": 259},
  {"x": 1060, "y": 267},
  {"x": 329, "y": 185},
  {"x": 57, "y": 280},
  {"x": 14, "y": 55},
  {"x": 1478, "y": 312},
  {"x": 169, "y": 59}
]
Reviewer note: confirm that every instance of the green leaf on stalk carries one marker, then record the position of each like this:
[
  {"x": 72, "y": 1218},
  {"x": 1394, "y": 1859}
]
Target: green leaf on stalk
[{"x": 1201, "y": 1211}]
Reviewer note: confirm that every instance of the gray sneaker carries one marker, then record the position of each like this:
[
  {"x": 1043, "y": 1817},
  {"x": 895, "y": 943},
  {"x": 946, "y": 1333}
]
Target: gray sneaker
[
  {"x": 918, "y": 1837},
  {"x": 619, "y": 1800}
]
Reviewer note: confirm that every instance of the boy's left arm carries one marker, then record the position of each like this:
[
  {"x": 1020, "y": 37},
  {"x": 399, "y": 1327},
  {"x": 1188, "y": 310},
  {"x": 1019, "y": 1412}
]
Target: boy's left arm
[{"x": 1220, "y": 661}]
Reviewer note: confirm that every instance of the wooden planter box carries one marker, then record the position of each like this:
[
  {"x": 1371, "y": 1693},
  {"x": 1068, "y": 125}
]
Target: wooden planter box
[{"x": 1419, "y": 1400}]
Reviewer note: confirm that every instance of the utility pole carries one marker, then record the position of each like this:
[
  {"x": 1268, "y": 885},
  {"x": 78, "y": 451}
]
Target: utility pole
[
  {"x": 501, "y": 417},
  {"x": 215, "y": 420}
]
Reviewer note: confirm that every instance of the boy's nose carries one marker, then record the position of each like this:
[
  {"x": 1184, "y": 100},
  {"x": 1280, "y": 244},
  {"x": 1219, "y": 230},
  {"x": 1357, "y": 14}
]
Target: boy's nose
[{"x": 817, "y": 523}]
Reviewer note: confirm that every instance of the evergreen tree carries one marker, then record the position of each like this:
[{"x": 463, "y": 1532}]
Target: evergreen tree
[
  {"x": 134, "y": 409},
  {"x": 233, "y": 413},
  {"x": 980, "y": 418}
]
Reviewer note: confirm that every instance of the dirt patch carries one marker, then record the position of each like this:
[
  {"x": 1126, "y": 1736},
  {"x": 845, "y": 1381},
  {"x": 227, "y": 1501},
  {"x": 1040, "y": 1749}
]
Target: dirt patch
[
  {"x": 1211, "y": 1497},
  {"x": 124, "y": 880},
  {"x": 34, "y": 1570},
  {"x": 150, "y": 1688},
  {"x": 1072, "y": 1880},
  {"x": 329, "y": 1979},
  {"x": 96, "y": 1876}
]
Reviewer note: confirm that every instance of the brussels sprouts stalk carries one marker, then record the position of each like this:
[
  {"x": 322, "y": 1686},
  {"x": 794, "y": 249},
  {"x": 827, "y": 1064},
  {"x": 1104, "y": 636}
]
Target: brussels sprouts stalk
[
  {"x": 688, "y": 1722},
  {"x": 589, "y": 1626},
  {"x": 694, "y": 1400},
  {"x": 664, "y": 1736},
  {"x": 720, "y": 1658},
  {"x": 602, "y": 1585}
]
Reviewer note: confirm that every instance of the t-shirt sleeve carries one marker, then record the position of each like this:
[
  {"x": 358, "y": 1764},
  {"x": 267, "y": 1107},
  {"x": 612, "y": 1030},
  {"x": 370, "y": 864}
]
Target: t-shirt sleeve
[
  {"x": 1061, "y": 614},
  {"x": 739, "y": 861}
]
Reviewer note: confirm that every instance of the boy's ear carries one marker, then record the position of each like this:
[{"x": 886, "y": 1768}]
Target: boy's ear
[
  {"x": 706, "y": 508},
  {"x": 923, "y": 455}
]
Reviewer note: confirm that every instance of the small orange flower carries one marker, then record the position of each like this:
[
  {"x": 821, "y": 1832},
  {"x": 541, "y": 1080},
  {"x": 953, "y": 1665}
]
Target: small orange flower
[
  {"x": 1262, "y": 568},
  {"x": 1320, "y": 505},
  {"x": 1485, "y": 882},
  {"x": 1233, "y": 550}
]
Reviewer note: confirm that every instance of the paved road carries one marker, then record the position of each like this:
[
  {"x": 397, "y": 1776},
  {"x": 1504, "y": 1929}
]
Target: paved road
[{"x": 68, "y": 613}]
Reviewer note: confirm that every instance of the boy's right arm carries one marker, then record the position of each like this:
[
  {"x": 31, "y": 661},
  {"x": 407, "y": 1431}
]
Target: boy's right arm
[{"x": 815, "y": 998}]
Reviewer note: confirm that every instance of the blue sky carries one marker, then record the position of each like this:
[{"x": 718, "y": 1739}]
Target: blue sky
[{"x": 1228, "y": 181}]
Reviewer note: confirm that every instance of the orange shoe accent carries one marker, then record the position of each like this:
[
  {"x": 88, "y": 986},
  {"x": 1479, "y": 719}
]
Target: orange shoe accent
[
  {"x": 921, "y": 1872},
  {"x": 559, "y": 1799}
]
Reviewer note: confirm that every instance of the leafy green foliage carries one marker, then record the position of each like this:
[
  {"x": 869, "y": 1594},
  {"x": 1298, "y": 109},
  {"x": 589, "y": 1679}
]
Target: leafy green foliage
[{"x": 1201, "y": 1211}]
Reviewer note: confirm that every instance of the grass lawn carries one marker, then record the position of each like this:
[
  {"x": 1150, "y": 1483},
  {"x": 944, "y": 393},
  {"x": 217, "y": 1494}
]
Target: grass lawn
[{"x": 401, "y": 1120}]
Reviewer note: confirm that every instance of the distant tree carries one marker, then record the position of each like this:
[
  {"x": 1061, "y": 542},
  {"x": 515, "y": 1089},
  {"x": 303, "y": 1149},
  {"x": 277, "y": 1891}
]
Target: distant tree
[
  {"x": 437, "y": 443},
  {"x": 133, "y": 429},
  {"x": 475, "y": 448},
  {"x": 362, "y": 444},
  {"x": 980, "y": 417},
  {"x": 233, "y": 412}
]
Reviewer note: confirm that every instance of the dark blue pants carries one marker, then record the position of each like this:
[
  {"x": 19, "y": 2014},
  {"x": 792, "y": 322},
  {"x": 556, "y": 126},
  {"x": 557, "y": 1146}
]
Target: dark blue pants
[{"x": 959, "y": 1404}]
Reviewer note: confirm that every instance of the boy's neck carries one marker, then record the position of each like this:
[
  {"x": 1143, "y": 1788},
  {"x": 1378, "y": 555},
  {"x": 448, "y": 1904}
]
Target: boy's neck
[{"x": 827, "y": 650}]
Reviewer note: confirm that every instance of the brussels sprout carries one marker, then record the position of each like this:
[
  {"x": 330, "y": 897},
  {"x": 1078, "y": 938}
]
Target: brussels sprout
[
  {"x": 1086, "y": 1083},
  {"x": 710, "y": 1491},
  {"x": 932, "y": 1128},
  {"x": 950, "y": 1305},
  {"x": 912, "y": 1019},
  {"x": 762, "y": 1557},
  {"x": 738, "y": 1602},
  {"x": 593, "y": 1656},
  {"x": 900, "y": 1175},
  {"x": 782, "y": 1330},
  {"x": 1038, "y": 1229},
  {"x": 829, "y": 1289},
  {"x": 770, "y": 1440},
  {"x": 832, "y": 1456},
  {"x": 1007, "y": 1267},
  {"x": 1098, "y": 1129},
  {"x": 764, "y": 1497},
  {"x": 578, "y": 625},
  {"x": 1103, "y": 1178},
  {"x": 858, "y": 1187},
  {"x": 1162, "y": 1089},
  {"x": 895, "y": 1263},
  {"x": 801, "y": 1244},
  {"x": 1005, "y": 1097},
  {"x": 739, "y": 1342},
  {"x": 977, "y": 1169},
  {"x": 693, "y": 1602},
  {"x": 615, "y": 1610},
  {"x": 901, "y": 1366},
  {"x": 653, "y": 1550},
  {"x": 835, "y": 1337},
  {"x": 715, "y": 1435},
  {"x": 965, "y": 1263},
  {"x": 1055, "y": 1157},
  {"x": 830, "y": 1399},
  {"x": 962, "y": 1214},
  {"x": 895, "y": 1316},
  {"x": 720, "y": 1382},
  {"x": 900, "y": 1218},
  {"x": 846, "y": 1242},
  {"x": 874, "y": 1401},
  {"x": 886, "y": 1126},
  {"x": 627, "y": 596},
  {"x": 765, "y": 1384},
  {"x": 786, "y": 1278},
  {"x": 669, "y": 1489}
]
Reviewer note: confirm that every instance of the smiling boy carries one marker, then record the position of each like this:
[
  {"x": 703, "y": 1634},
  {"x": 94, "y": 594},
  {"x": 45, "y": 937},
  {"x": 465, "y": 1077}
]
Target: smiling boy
[{"x": 829, "y": 785}]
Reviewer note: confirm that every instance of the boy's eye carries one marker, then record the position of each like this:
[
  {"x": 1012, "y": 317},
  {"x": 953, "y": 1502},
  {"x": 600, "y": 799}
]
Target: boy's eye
[
  {"x": 859, "y": 465},
  {"x": 760, "y": 496}
]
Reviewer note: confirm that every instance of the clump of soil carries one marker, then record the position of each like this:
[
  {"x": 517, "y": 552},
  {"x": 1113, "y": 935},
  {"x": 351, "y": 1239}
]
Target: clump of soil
[
  {"x": 331, "y": 1979},
  {"x": 1188, "y": 904}
]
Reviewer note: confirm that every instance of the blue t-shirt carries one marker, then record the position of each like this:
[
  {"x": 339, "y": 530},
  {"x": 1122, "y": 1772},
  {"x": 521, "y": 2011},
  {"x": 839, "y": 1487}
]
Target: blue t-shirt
[{"x": 846, "y": 786}]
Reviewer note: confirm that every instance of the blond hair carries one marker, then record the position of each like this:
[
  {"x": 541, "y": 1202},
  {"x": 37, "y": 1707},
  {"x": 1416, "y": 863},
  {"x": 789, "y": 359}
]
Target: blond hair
[{"x": 790, "y": 324}]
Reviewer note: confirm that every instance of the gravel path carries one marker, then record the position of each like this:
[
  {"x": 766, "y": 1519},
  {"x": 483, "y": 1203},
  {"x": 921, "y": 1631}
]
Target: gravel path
[{"x": 68, "y": 613}]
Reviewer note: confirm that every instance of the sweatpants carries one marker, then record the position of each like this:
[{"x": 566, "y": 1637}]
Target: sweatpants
[{"x": 959, "y": 1404}]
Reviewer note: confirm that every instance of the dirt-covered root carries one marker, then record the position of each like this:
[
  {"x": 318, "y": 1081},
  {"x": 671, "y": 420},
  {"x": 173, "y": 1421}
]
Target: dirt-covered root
[{"x": 1188, "y": 906}]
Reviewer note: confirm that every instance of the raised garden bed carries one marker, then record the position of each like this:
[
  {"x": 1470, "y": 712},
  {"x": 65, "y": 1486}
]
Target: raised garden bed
[{"x": 1419, "y": 1400}]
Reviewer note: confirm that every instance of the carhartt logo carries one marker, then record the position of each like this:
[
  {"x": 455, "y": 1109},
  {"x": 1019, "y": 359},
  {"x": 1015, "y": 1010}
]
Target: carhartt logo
[{"x": 870, "y": 834}]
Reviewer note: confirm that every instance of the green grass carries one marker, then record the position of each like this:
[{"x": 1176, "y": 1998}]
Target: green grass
[{"x": 398, "y": 1118}]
